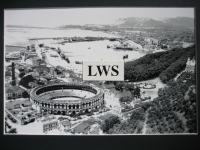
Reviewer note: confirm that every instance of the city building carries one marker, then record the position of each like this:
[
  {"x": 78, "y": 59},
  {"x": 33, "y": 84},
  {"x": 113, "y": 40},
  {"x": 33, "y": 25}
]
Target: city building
[
  {"x": 94, "y": 129},
  {"x": 148, "y": 47},
  {"x": 20, "y": 111},
  {"x": 83, "y": 128},
  {"x": 67, "y": 73},
  {"x": 41, "y": 69},
  {"x": 50, "y": 126},
  {"x": 33, "y": 85},
  {"x": 28, "y": 118},
  {"x": 12, "y": 58},
  {"x": 8, "y": 73},
  {"x": 109, "y": 86},
  {"x": 19, "y": 116},
  {"x": 190, "y": 65},
  {"x": 51, "y": 70},
  {"x": 60, "y": 70},
  {"x": 37, "y": 61},
  {"x": 65, "y": 124},
  {"x": 42, "y": 79},
  {"x": 113, "y": 91},
  {"x": 13, "y": 92},
  {"x": 29, "y": 55},
  {"x": 31, "y": 47},
  {"x": 79, "y": 75},
  {"x": 152, "y": 41},
  {"x": 155, "y": 41},
  {"x": 36, "y": 75},
  {"x": 124, "y": 94}
]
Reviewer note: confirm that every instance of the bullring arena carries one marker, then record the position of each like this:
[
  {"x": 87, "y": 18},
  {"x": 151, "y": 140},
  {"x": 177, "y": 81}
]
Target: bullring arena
[{"x": 67, "y": 98}]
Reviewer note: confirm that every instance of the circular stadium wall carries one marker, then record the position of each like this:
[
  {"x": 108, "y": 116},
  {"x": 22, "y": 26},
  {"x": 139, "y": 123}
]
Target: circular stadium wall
[{"x": 53, "y": 99}]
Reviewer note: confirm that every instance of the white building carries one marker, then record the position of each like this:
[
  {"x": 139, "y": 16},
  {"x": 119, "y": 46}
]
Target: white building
[{"x": 190, "y": 65}]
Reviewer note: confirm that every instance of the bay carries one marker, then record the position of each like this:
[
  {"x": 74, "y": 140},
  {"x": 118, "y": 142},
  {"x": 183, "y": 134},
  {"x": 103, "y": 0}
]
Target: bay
[{"x": 79, "y": 51}]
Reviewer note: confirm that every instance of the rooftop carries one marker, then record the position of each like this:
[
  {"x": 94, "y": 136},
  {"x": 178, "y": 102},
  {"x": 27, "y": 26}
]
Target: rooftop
[
  {"x": 113, "y": 91},
  {"x": 124, "y": 94},
  {"x": 90, "y": 121},
  {"x": 13, "y": 89},
  {"x": 50, "y": 123},
  {"x": 107, "y": 116},
  {"x": 66, "y": 123},
  {"x": 82, "y": 127},
  {"x": 11, "y": 105},
  {"x": 34, "y": 84},
  {"x": 109, "y": 86}
]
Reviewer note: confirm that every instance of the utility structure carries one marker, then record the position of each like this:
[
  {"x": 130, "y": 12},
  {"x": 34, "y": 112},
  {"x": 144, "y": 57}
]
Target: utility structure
[{"x": 13, "y": 74}]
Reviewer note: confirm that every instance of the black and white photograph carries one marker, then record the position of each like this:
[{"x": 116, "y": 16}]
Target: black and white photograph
[{"x": 44, "y": 89}]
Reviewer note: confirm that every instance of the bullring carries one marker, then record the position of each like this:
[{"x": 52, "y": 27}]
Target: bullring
[{"x": 66, "y": 99}]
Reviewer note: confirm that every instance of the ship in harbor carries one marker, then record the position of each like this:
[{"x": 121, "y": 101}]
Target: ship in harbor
[
  {"x": 123, "y": 47},
  {"x": 63, "y": 56},
  {"x": 52, "y": 55},
  {"x": 78, "y": 62},
  {"x": 58, "y": 50},
  {"x": 125, "y": 56},
  {"x": 112, "y": 39}
]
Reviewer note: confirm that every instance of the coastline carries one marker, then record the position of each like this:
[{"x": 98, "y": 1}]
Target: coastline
[
  {"x": 45, "y": 54},
  {"x": 13, "y": 48}
]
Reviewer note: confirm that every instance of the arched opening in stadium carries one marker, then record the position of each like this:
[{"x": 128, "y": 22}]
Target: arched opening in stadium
[{"x": 67, "y": 98}]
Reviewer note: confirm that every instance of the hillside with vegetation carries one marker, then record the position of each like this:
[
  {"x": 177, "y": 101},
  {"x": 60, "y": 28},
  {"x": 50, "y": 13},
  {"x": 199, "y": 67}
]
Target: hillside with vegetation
[
  {"x": 174, "y": 111},
  {"x": 165, "y": 65}
]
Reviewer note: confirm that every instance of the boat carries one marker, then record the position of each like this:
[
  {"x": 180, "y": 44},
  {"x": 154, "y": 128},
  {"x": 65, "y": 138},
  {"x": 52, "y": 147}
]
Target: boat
[
  {"x": 41, "y": 45},
  {"x": 124, "y": 47},
  {"x": 62, "y": 55},
  {"x": 52, "y": 55},
  {"x": 125, "y": 56},
  {"x": 108, "y": 46},
  {"x": 58, "y": 50},
  {"x": 78, "y": 62},
  {"x": 53, "y": 48},
  {"x": 112, "y": 39},
  {"x": 67, "y": 59}
]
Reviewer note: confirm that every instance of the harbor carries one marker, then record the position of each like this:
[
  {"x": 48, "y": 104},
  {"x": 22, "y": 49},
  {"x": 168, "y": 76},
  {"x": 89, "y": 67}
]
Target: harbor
[
  {"x": 77, "y": 49},
  {"x": 46, "y": 92}
]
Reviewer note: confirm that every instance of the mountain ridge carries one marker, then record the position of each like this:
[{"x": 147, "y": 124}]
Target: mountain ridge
[
  {"x": 177, "y": 22},
  {"x": 129, "y": 22}
]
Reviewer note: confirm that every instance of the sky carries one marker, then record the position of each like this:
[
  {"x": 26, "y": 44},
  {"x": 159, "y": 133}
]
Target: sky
[{"x": 57, "y": 17}]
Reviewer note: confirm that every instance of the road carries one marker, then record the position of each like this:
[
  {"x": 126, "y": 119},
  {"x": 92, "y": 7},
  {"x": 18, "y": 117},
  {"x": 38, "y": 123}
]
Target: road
[{"x": 145, "y": 121}]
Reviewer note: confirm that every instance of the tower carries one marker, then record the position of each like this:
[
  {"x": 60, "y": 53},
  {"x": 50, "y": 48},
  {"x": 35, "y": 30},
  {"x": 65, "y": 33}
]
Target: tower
[{"x": 13, "y": 74}]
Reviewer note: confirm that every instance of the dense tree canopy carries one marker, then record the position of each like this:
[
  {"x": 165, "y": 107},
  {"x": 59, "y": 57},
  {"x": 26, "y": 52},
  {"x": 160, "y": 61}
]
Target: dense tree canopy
[
  {"x": 166, "y": 65},
  {"x": 109, "y": 123},
  {"x": 25, "y": 80},
  {"x": 21, "y": 74},
  {"x": 133, "y": 125},
  {"x": 174, "y": 111},
  {"x": 171, "y": 112}
]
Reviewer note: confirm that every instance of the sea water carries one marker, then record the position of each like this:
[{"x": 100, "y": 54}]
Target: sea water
[{"x": 77, "y": 51}]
